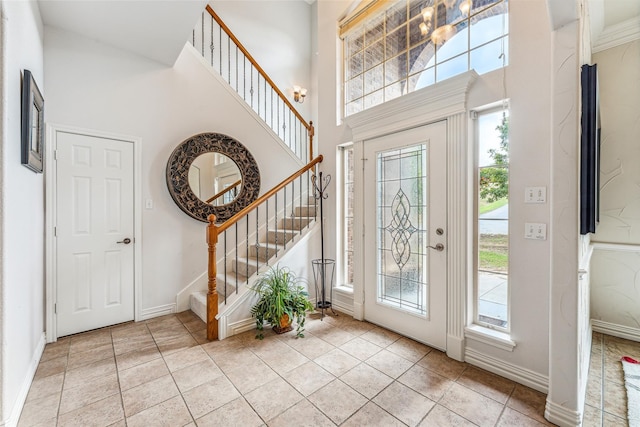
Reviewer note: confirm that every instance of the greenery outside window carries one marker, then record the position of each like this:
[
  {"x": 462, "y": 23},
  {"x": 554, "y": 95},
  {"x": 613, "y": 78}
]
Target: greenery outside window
[{"x": 492, "y": 219}]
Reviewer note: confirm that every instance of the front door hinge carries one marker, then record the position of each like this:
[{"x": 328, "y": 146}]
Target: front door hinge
[
  {"x": 55, "y": 231},
  {"x": 55, "y": 308},
  {"x": 55, "y": 154}
]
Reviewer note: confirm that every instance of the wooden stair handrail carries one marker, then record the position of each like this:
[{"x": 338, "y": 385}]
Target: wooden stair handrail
[
  {"x": 308, "y": 126},
  {"x": 228, "y": 223},
  {"x": 220, "y": 193},
  {"x": 212, "y": 239}
]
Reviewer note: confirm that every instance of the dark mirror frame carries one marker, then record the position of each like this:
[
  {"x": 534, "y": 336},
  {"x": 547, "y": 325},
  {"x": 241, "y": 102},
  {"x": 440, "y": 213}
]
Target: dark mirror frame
[
  {"x": 32, "y": 140},
  {"x": 177, "y": 175}
]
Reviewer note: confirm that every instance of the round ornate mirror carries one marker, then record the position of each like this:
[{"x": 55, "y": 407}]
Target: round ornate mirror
[
  {"x": 212, "y": 173},
  {"x": 215, "y": 179}
]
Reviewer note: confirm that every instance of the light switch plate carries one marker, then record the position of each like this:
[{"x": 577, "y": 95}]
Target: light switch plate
[
  {"x": 535, "y": 231},
  {"x": 535, "y": 195}
]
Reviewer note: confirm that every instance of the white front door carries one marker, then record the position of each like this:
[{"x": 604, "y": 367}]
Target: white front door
[
  {"x": 405, "y": 214},
  {"x": 94, "y": 232}
]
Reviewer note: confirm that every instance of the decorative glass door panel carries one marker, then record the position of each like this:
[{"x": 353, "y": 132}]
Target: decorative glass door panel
[
  {"x": 405, "y": 258},
  {"x": 402, "y": 226}
]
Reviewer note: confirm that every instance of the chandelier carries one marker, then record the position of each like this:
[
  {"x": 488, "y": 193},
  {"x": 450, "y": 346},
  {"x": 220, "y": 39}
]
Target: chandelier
[{"x": 441, "y": 33}]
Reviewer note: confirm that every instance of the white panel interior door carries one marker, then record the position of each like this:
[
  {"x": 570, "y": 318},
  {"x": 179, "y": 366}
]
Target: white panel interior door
[
  {"x": 94, "y": 232},
  {"x": 405, "y": 213}
]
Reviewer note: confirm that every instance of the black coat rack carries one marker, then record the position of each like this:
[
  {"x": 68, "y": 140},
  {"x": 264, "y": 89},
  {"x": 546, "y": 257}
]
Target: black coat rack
[{"x": 320, "y": 266}]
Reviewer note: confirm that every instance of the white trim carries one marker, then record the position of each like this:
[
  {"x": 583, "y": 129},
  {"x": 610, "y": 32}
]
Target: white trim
[
  {"x": 516, "y": 373},
  {"x": 240, "y": 297},
  {"x": 424, "y": 106},
  {"x": 491, "y": 337},
  {"x": 562, "y": 416},
  {"x": 358, "y": 310},
  {"x": 183, "y": 297},
  {"x": 624, "y": 247},
  {"x": 348, "y": 291},
  {"x": 446, "y": 100},
  {"x": 14, "y": 416},
  {"x": 616, "y": 35},
  {"x": 240, "y": 326},
  {"x": 50, "y": 219},
  {"x": 343, "y": 308},
  {"x": 455, "y": 347},
  {"x": 161, "y": 310},
  {"x": 612, "y": 329},
  {"x": 252, "y": 113}
]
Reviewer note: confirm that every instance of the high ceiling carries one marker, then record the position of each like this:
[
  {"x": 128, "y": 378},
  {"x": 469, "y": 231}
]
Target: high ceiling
[
  {"x": 154, "y": 29},
  {"x": 159, "y": 29}
]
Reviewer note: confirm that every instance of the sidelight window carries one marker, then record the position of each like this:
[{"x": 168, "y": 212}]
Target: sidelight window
[{"x": 492, "y": 219}]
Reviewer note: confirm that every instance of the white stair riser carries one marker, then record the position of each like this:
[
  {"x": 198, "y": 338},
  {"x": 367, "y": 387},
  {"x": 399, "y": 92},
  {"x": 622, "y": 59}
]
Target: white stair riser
[
  {"x": 296, "y": 224},
  {"x": 263, "y": 252},
  {"x": 305, "y": 211},
  {"x": 280, "y": 237}
]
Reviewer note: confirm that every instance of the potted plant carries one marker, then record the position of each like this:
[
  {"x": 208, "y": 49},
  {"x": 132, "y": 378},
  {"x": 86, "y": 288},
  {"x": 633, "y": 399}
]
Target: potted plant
[{"x": 282, "y": 300}]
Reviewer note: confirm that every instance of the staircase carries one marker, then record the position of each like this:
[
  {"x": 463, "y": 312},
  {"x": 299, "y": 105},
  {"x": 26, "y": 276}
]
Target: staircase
[
  {"x": 241, "y": 271},
  {"x": 260, "y": 235}
]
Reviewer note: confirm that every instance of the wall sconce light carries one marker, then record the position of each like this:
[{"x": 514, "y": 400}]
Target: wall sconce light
[{"x": 299, "y": 93}]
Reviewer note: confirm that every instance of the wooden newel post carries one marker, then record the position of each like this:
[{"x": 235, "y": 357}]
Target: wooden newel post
[
  {"x": 212, "y": 294},
  {"x": 312, "y": 132}
]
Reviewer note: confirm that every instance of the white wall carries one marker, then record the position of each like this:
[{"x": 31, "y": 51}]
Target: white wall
[
  {"x": 22, "y": 212},
  {"x": 615, "y": 280},
  {"x": 94, "y": 86},
  {"x": 277, "y": 34}
]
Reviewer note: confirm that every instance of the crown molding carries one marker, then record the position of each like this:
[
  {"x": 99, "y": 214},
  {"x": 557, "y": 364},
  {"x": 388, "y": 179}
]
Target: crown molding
[{"x": 617, "y": 35}]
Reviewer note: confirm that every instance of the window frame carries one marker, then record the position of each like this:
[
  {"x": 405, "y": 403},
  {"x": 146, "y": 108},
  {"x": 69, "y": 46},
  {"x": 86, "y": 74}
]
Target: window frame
[
  {"x": 385, "y": 92},
  {"x": 477, "y": 325},
  {"x": 342, "y": 206}
]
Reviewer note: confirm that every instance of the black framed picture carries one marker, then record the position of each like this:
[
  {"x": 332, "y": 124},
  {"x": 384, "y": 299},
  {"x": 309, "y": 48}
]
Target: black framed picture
[{"x": 32, "y": 124}]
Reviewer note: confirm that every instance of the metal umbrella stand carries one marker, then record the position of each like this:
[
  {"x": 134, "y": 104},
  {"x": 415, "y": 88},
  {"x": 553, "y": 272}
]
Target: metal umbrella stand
[{"x": 323, "y": 269}]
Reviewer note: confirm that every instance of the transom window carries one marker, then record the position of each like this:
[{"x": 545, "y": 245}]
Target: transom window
[{"x": 405, "y": 45}]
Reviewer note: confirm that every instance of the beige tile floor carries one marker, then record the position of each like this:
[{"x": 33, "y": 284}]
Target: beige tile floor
[
  {"x": 344, "y": 372},
  {"x": 606, "y": 402}
]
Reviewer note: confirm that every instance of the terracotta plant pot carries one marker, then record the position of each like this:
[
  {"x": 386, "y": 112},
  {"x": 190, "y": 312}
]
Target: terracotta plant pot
[{"x": 284, "y": 326}]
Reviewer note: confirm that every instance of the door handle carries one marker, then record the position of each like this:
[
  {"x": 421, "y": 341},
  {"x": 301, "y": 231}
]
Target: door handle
[
  {"x": 126, "y": 241},
  {"x": 439, "y": 247}
]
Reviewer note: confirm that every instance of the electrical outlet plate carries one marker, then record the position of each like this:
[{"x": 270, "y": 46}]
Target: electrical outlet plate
[
  {"x": 535, "y": 231},
  {"x": 535, "y": 195}
]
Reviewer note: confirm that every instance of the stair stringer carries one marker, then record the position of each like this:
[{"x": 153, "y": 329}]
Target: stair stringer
[
  {"x": 235, "y": 316},
  {"x": 194, "y": 52},
  {"x": 182, "y": 297}
]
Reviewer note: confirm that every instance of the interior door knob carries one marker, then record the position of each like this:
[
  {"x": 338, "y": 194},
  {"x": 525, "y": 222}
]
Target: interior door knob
[{"x": 126, "y": 241}]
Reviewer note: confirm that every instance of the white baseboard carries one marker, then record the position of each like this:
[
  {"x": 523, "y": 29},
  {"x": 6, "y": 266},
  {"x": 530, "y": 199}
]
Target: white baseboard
[
  {"x": 14, "y": 416},
  {"x": 455, "y": 347},
  {"x": 562, "y": 416},
  {"x": 516, "y": 373},
  {"x": 161, "y": 310},
  {"x": 343, "y": 308},
  {"x": 241, "y": 326},
  {"x": 358, "y": 310},
  {"x": 612, "y": 329}
]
